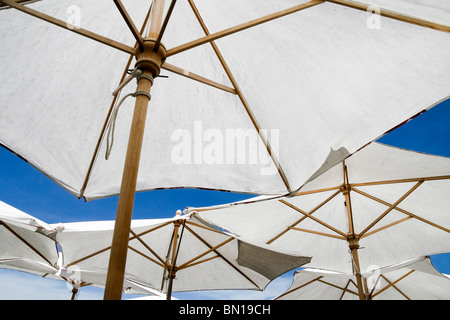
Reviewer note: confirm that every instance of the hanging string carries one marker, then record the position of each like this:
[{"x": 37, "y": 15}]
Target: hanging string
[{"x": 135, "y": 73}]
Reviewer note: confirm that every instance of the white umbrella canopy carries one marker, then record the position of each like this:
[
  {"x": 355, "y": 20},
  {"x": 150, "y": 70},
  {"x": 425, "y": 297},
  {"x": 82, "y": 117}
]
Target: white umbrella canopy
[
  {"x": 26, "y": 243},
  {"x": 306, "y": 82},
  {"x": 79, "y": 278},
  {"x": 416, "y": 279},
  {"x": 29, "y": 245},
  {"x": 386, "y": 204},
  {"x": 320, "y": 95},
  {"x": 200, "y": 258}
]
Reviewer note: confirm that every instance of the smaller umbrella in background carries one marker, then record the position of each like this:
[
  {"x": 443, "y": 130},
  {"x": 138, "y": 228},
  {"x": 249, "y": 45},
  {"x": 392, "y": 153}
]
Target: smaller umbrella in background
[
  {"x": 385, "y": 204},
  {"x": 416, "y": 279},
  {"x": 29, "y": 245},
  {"x": 26, "y": 242},
  {"x": 182, "y": 253}
]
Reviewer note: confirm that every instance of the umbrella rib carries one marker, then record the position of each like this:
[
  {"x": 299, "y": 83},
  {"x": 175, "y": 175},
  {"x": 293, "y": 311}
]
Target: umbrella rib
[
  {"x": 241, "y": 95},
  {"x": 108, "y": 248},
  {"x": 319, "y": 233},
  {"x": 304, "y": 217},
  {"x": 241, "y": 27},
  {"x": 409, "y": 214},
  {"x": 211, "y": 249},
  {"x": 309, "y": 215},
  {"x": 25, "y": 242},
  {"x": 392, "y": 284},
  {"x": 393, "y": 15},
  {"x": 218, "y": 253},
  {"x": 149, "y": 249},
  {"x": 88, "y": 256},
  {"x": 5, "y": 6},
  {"x": 196, "y": 77},
  {"x": 164, "y": 25},
  {"x": 86, "y": 33},
  {"x": 105, "y": 124},
  {"x": 302, "y": 193},
  {"x": 163, "y": 265},
  {"x": 130, "y": 23},
  {"x": 391, "y": 207},
  {"x": 445, "y": 177},
  {"x": 299, "y": 287},
  {"x": 345, "y": 289}
]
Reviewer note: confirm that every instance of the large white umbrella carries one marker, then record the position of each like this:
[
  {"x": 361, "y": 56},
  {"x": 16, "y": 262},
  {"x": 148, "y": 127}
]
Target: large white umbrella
[
  {"x": 176, "y": 254},
  {"x": 306, "y": 82},
  {"x": 416, "y": 279},
  {"x": 385, "y": 205}
]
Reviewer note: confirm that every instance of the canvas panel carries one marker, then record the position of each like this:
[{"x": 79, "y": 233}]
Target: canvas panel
[{"x": 320, "y": 109}]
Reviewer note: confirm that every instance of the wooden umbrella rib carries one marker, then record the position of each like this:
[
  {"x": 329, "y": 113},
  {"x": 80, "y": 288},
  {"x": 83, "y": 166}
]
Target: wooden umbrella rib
[
  {"x": 211, "y": 249},
  {"x": 393, "y": 15},
  {"x": 409, "y": 214},
  {"x": 196, "y": 77},
  {"x": 89, "y": 256},
  {"x": 130, "y": 23},
  {"x": 319, "y": 233},
  {"x": 242, "y": 97},
  {"x": 372, "y": 183},
  {"x": 105, "y": 124},
  {"x": 203, "y": 227},
  {"x": 309, "y": 215},
  {"x": 241, "y": 27},
  {"x": 345, "y": 289},
  {"x": 302, "y": 193},
  {"x": 108, "y": 248},
  {"x": 65, "y": 25},
  {"x": 218, "y": 253},
  {"x": 29, "y": 245},
  {"x": 302, "y": 218},
  {"x": 163, "y": 264},
  {"x": 5, "y": 6},
  {"x": 164, "y": 25},
  {"x": 348, "y": 290},
  {"x": 391, "y": 207},
  {"x": 385, "y": 227},
  {"x": 392, "y": 284},
  {"x": 299, "y": 287}
]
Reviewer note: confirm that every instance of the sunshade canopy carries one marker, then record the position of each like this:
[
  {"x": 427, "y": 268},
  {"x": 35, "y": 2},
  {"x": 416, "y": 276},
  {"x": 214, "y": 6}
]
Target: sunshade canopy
[
  {"x": 317, "y": 81},
  {"x": 412, "y": 280},
  {"x": 200, "y": 258},
  {"x": 391, "y": 204},
  {"x": 26, "y": 243}
]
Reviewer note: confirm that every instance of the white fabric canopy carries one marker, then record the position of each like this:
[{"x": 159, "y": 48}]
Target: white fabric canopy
[
  {"x": 207, "y": 258},
  {"x": 413, "y": 280},
  {"x": 29, "y": 245},
  {"x": 319, "y": 81},
  {"x": 395, "y": 215},
  {"x": 26, "y": 242}
]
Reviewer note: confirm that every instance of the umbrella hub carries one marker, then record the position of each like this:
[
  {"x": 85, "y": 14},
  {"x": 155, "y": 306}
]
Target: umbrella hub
[
  {"x": 353, "y": 242},
  {"x": 149, "y": 59}
]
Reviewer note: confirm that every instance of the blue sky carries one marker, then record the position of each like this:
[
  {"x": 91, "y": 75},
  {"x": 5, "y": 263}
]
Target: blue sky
[{"x": 27, "y": 189}]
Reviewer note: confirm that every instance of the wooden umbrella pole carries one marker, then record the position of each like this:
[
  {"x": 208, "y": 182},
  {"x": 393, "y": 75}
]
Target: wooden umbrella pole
[
  {"x": 172, "y": 268},
  {"x": 353, "y": 240},
  {"x": 149, "y": 62}
]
